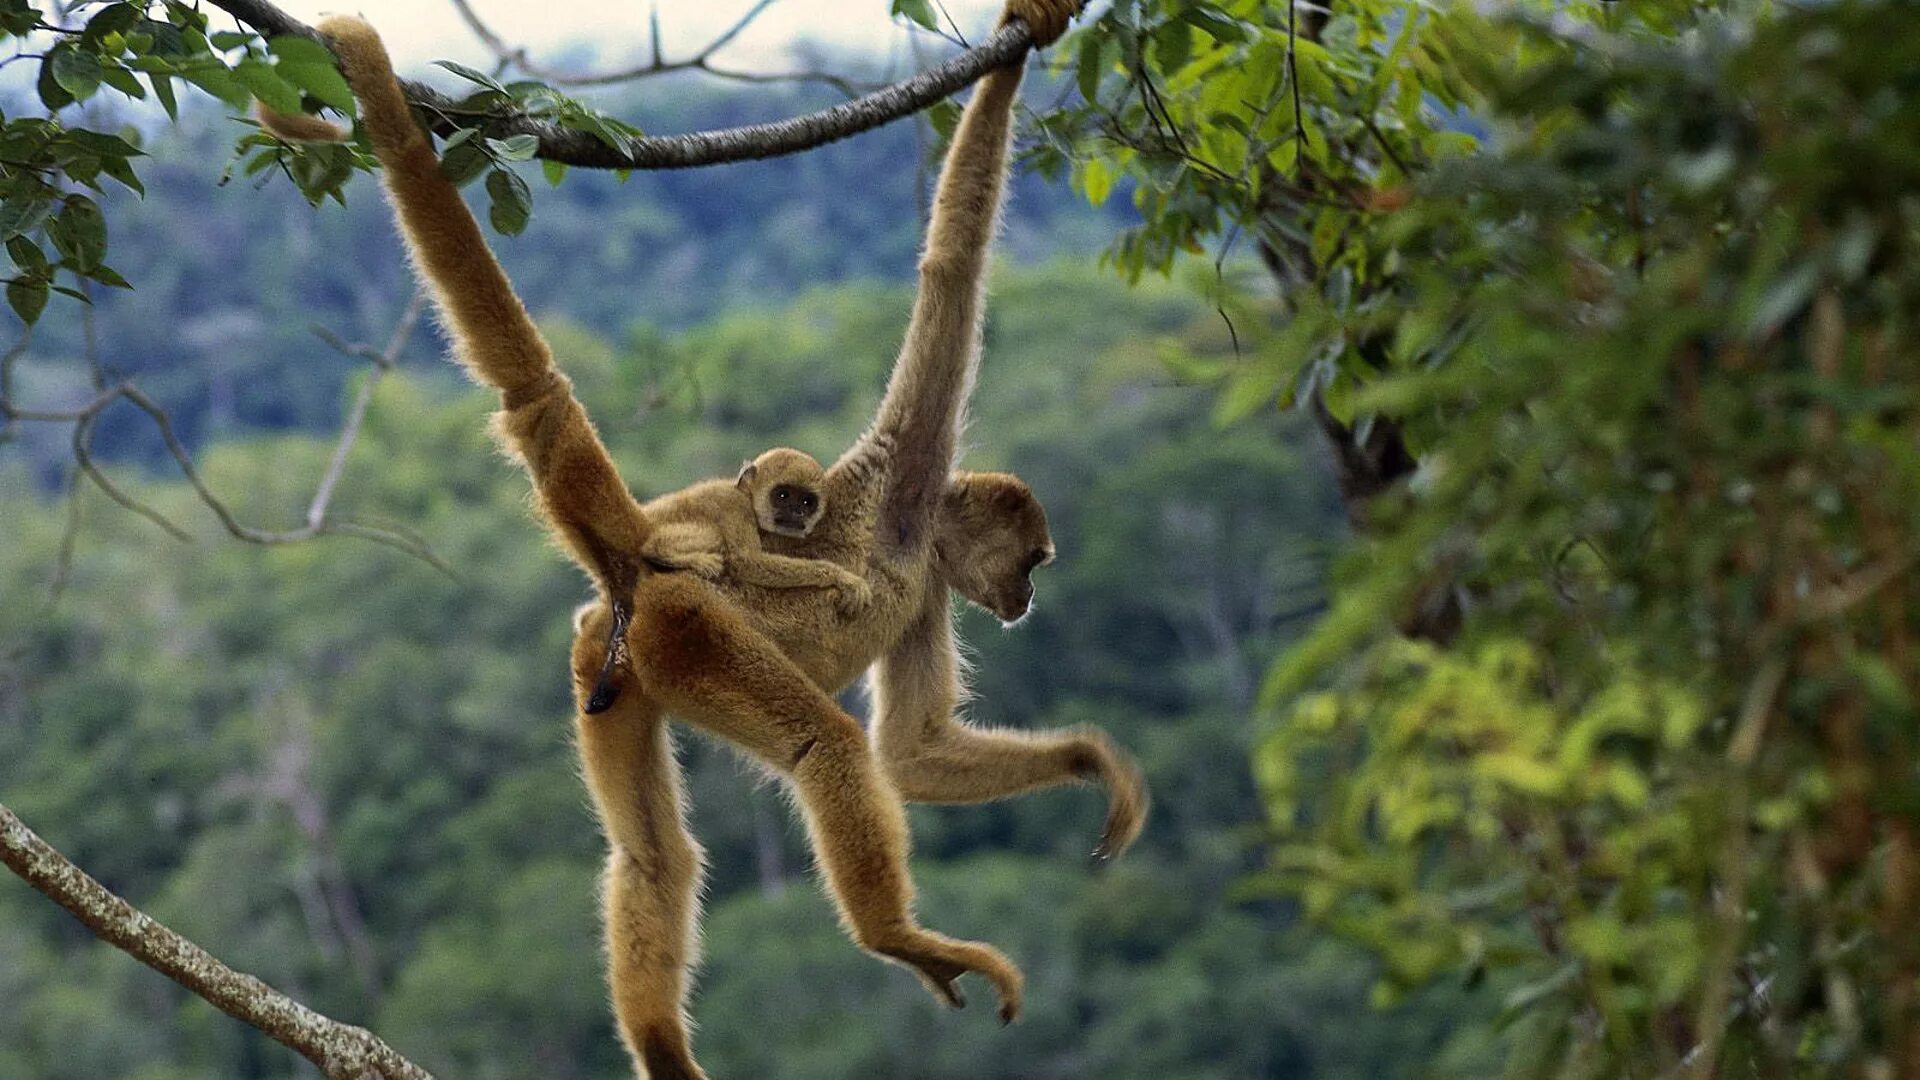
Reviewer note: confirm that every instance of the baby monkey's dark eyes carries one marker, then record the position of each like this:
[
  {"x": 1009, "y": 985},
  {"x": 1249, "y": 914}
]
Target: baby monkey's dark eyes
[
  {"x": 779, "y": 494},
  {"x": 809, "y": 501}
]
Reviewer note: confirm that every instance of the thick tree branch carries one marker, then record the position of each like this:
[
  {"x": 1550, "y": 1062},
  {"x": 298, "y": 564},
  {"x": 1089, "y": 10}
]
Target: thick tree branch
[
  {"x": 746, "y": 143},
  {"x": 341, "y": 1051}
]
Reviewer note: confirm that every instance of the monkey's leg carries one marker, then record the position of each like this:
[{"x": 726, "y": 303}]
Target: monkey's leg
[
  {"x": 933, "y": 757},
  {"x": 704, "y": 663},
  {"x": 953, "y": 763},
  {"x": 650, "y": 900}
]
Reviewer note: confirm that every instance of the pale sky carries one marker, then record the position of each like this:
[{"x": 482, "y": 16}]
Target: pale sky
[{"x": 419, "y": 31}]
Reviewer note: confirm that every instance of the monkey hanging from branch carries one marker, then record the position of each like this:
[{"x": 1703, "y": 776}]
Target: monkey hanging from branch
[{"x": 756, "y": 664}]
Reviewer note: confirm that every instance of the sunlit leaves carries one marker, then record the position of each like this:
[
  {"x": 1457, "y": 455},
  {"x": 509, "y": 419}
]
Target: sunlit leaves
[
  {"x": 1642, "y": 351},
  {"x": 919, "y": 11}
]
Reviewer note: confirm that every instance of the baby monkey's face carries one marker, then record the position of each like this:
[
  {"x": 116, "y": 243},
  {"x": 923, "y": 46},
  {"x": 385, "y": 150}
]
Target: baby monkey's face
[{"x": 785, "y": 487}]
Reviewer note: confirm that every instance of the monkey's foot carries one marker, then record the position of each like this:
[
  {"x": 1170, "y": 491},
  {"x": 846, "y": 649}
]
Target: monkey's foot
[
  {"x": 940, "y": 961},
  {"x": 1127, "y": 803}
]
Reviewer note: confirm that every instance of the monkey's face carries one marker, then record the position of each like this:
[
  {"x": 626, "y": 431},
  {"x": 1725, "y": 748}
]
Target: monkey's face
[
  {"x": 785, "y": 488},
  {"x": 991, "y": 537}
]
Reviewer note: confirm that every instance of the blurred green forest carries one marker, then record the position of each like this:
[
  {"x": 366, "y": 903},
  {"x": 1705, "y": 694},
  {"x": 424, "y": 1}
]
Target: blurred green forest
[
  {"x": 1591, "y": 753},
  {"x": 351, "y": 775},
  {"x": 229, "y": 278}
]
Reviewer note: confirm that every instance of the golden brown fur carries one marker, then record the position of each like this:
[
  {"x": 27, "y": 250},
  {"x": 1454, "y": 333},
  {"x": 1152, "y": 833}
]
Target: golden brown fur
[
  {"x": 713, "y": 529},
  {"x": 752, "y": 663}
]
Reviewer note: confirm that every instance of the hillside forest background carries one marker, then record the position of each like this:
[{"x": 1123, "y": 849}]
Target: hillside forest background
[{"x": 1483, "y": 445}]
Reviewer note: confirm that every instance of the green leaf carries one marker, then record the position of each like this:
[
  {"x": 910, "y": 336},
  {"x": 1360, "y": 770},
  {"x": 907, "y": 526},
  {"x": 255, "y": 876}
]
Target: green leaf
[
  {"x": 308, "y": 65},
  {"x": 1091, "y": 64},
  {"x": 266, "y": 84},
  {"x": 230, "y": 39},
  {"x": 216, "y": 79},
  {"x": 512, "y": 202},
  {"x": 323, "y": 81},
  {"x": 1173, "y": 45},
  {"x": 79, "y": 231},
  {"x": 945, "y": 117},
  {"x": 107, "y": 275},
  {"x": 293, "y": 49},
  {"x": 52, "y": 94},
  {"x": 473, "y": 76},
  {"x": 112, "y": 19},
  {"x": 101, "y": 143},
  {"x": 1218, "y": 25},
  {"x": 27, "y": 298},
  {"x": 27, "y": 255},
  {"x": 123, "y": 172},
  {"x": 554, "y": 171},
  {"x": 464, "y": 162},
  {"x": 920, "y": 11},
  {"x": 124, "y": 81},
  {"x": 1096, "y": 179},
  {"x": 163, "y": 90},
  {"x": 78, "y": 73},
  {"x": 24, "y": 213},
  {"x": 515, "y": 147}
]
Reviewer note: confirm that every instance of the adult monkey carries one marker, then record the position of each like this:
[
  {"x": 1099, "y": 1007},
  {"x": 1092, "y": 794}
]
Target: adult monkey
[{"x": 750, "y": 666}]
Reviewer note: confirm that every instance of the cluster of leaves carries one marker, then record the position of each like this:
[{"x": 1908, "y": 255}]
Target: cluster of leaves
[
  {"x": 467, "y": 152},
  {"x": 1652, "y": 353},
  {"x": 1274, "y": 122},
  {"x": 141, "y": 49},
  {"x": 133, "y": 49}
]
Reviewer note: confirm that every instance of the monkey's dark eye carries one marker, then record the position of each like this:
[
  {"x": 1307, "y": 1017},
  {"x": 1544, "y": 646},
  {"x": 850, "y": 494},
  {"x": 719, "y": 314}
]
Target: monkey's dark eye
[
  {"x": 809, "y": 501},
  {"x": 779, "y": 494}
]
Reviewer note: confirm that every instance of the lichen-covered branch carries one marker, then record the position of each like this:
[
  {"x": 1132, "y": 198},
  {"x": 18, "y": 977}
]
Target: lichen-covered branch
[
  {"x": 341, "y": 1051},
  {"x": 745, "y": 143}
]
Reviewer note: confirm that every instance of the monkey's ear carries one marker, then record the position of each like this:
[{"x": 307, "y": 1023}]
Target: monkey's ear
[{"x": 747, "y": 472}]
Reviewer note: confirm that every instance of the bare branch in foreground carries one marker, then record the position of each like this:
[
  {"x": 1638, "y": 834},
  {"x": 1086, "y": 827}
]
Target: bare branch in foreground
[
  {"x": 341, "y": 1051},
  {"x": 749, "y": 142}
]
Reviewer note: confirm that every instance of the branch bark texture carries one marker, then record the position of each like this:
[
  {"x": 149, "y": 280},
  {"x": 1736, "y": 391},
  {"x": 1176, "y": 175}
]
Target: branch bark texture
[
  {"x": 749, "y": 142},
  {"x": 341, "y": 1051}
]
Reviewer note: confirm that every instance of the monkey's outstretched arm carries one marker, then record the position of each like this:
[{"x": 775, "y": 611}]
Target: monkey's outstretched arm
[
  {"x": 541, "y": 422},
  {"x": 933, "y": 757},
  {"x": 914, "y": 432}
]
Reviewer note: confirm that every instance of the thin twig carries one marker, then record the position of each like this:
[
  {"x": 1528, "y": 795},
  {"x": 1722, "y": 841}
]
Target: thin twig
[
  {"x": 655, "y": 65},
  {"x": 318, "y": 520},
  {"x": 749, "y": 142},
  {"x": 339, "y": 1050},
  {"x": 383, "y": 362},
  {"x": 1293, "y": 76},
  {"x": 69, "y": 539}
]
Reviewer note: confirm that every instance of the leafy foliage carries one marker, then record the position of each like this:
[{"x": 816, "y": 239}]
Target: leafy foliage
[
  {"x": 1649, "y": 349},
  {"x": 142, "y": 48}
]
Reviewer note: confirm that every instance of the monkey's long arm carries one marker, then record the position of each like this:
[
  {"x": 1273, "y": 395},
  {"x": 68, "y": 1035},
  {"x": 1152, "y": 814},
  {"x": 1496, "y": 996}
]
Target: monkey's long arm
[
  {"x": 914, "y": 432},
  {"x": 933, "y": 757},
  {"x": 579, "y": 488},
  {"x": 787, "y": 572}
]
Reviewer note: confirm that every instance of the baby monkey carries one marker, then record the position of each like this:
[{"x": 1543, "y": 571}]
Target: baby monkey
[{"x": 713, "y": 529}]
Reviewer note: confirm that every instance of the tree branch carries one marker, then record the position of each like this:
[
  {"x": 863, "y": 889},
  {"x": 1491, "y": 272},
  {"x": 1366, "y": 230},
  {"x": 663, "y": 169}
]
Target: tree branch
[
  {"x": 341, "y": 1051},
  {"x": 746, "y": 143},
  {"x": 319, "y": 520}
]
